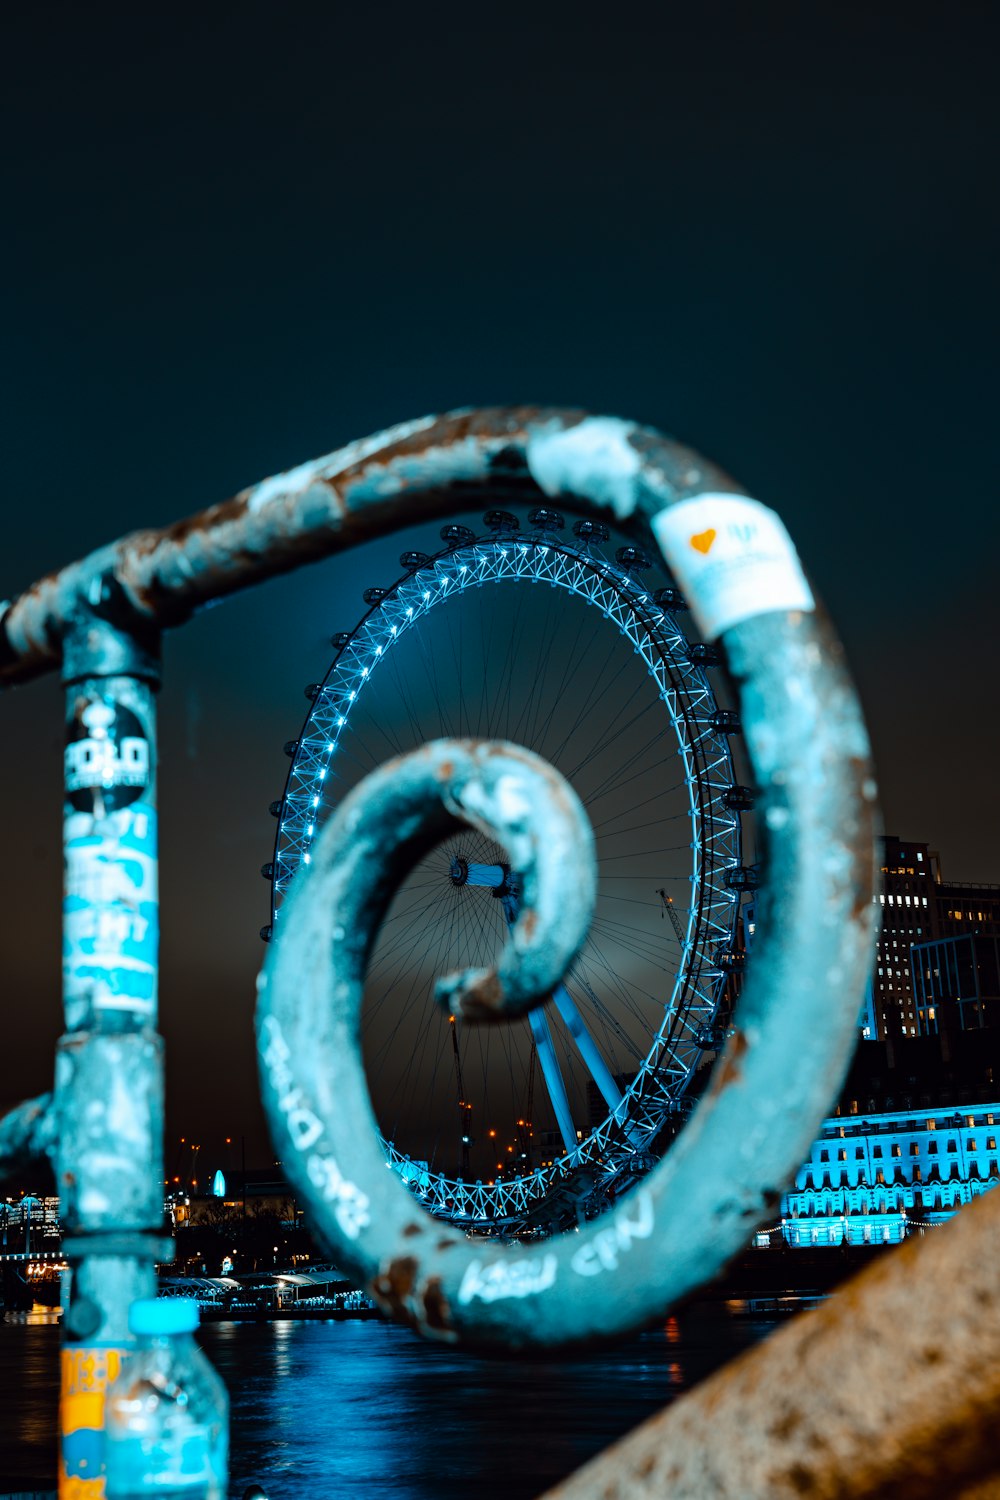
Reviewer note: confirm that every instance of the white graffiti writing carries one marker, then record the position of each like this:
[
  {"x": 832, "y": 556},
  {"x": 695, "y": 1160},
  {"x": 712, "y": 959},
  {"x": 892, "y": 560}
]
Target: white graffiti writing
[
  {"x": 349, "y": 1204},
  {"x": 604, "y": 1251},
  {"x": 492, "y": 1280}
]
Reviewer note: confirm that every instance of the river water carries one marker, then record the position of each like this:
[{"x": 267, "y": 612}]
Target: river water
[{"x": 365, "y": 1411}]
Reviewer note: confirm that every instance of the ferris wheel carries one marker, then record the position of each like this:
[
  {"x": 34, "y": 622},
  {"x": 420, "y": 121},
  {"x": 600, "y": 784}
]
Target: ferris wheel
[{"x": 523, "y": 634}]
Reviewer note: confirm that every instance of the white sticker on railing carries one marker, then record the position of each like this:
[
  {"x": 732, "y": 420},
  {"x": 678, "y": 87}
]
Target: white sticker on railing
[{"x": 732, "y": 558}]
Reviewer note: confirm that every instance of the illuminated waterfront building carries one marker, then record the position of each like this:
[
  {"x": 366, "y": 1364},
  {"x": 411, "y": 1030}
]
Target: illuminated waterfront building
[{"x": 874, "y": 1180}]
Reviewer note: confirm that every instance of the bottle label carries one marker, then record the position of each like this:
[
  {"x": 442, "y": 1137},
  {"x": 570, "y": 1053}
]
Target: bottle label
[{"x": 86, "y": 1373}]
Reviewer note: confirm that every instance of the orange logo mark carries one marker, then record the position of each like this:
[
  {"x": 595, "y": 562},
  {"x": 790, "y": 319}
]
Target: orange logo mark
[{"x": 702, "y": 542}]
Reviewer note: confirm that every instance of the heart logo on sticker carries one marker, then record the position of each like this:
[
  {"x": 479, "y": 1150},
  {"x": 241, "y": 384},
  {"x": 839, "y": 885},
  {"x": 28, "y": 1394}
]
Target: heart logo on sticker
[{"x": 702, "y": 542}]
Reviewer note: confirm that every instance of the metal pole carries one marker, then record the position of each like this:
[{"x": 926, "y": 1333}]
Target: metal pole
[{"x": 109, "y": 1066}]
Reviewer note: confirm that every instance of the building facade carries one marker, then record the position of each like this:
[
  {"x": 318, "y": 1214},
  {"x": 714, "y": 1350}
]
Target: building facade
[
  {"x": 917, "y": 907},
  {"x": 956, "y": 983},
  {"x": 878, "y": 1179},
  {"x": 907, "y": 908}
]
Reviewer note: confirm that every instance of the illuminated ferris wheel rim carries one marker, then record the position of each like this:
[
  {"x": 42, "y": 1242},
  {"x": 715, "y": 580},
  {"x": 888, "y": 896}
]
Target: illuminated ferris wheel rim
[{"x": 701, "y": 734}]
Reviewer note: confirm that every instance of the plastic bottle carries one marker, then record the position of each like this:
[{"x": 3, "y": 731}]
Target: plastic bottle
[{"x": 167, "y": 1412}]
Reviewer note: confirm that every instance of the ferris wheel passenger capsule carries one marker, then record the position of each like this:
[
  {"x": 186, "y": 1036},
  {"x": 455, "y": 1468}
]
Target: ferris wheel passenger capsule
[
  {"x": 340, "y": 639},
  {"x": 702, "y": 655},
  {"x": 738, "y": 798},
  {"x": 374, "y": 595},
  {"x": 547, "y": 520},
  {"x": 670, "y": 599},
  {"x": 413, "y": 559},
  {"x": 726, "y": 721},
  {"x": 593, "y": 532},
  {"x": 457, "y": 536},
  {"x": 633, "y": 559},
  {"x": 501, "y": 521}
]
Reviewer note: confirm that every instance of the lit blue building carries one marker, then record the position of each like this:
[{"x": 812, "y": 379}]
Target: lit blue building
[{"x": 874, "y": 1180}]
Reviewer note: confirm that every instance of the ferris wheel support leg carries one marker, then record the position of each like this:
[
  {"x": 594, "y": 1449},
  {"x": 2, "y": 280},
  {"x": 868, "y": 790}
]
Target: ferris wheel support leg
[
  {"x": 595, "y": 1064},
  {"x": 552, "y": 1073}
]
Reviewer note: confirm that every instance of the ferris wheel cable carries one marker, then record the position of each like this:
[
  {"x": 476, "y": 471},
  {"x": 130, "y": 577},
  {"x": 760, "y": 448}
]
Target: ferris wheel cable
[
  {"x": 402, "y": 689},
  {"x": 542, "y": 695},
  {"x": 611, "y": 1028},
  {"x": 636, "y": 1048},
  {"x": 586, "y": 706},
  {"x": 578, "y": 653},
  {"x": 401, "y": 959},
  {"x": 641, "y": 948},
  {"x": 398, "y": 948},
  {"x": 619, "y": 728},
  {"x": 598, "y": 959},
  {"x": 609, "y": 834},
  {"x": 627, "y": 781}
]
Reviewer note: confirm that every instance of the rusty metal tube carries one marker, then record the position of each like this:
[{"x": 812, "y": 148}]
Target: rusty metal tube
[
  {"x": 890, "y": 1389},
  {"x": 418, "y": 470}
]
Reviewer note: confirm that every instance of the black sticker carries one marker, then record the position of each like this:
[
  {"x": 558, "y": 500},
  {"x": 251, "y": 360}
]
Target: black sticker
[{"x": 108, "y": 762}]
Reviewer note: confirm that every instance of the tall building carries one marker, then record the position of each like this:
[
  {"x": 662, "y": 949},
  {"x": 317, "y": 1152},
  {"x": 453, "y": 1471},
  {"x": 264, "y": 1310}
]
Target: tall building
[
  {"x": 917, "y": 908},
  {"x": 909, "y": 879},
  {"x": 956, "y": 983},
  {"x": 964, "y": 907}
]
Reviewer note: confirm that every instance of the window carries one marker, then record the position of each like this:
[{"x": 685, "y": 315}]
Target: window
[
  {"x": 841, "y": 1155},
  {"x": 876, "y": 1151},
  {"x": 824, "y": 1156},
  {"x": 914, "y": 1148},
  {"x": 859, "y": 1153},
  {"x": 971, "y": 1143},
  {"x": 897, "y": 1150},
  {"x": 932, "y": 1149},
  {"x": 991, "y": 1143}
]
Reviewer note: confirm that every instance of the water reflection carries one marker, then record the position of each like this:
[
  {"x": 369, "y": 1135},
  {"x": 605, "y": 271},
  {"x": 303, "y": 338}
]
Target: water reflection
[{"x": 365, "y": 1411}]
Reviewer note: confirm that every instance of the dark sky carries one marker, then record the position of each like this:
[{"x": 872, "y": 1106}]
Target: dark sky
[{"x": 238, "y": 236}]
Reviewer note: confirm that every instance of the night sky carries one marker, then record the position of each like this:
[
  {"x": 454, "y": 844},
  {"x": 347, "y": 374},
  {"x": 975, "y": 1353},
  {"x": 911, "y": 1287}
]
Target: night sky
[{"x": 238, "y": 236}]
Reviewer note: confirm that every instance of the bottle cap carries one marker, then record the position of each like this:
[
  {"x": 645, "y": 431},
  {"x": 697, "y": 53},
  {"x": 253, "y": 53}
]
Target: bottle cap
[{"x": 153, "y": 1316}]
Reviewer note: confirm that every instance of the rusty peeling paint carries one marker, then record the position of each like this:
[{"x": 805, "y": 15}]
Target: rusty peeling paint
[
  {"x": 730, "y": 1068},
  {"x": 436, "y": 1309}
]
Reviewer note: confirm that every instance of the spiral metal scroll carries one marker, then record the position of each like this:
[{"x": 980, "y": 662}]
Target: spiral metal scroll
[{"x": 796, "y": 1020}]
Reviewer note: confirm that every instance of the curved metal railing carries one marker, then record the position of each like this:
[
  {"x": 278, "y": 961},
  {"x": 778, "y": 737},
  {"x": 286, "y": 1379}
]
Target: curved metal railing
[{"x": 100, "y": 620}]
